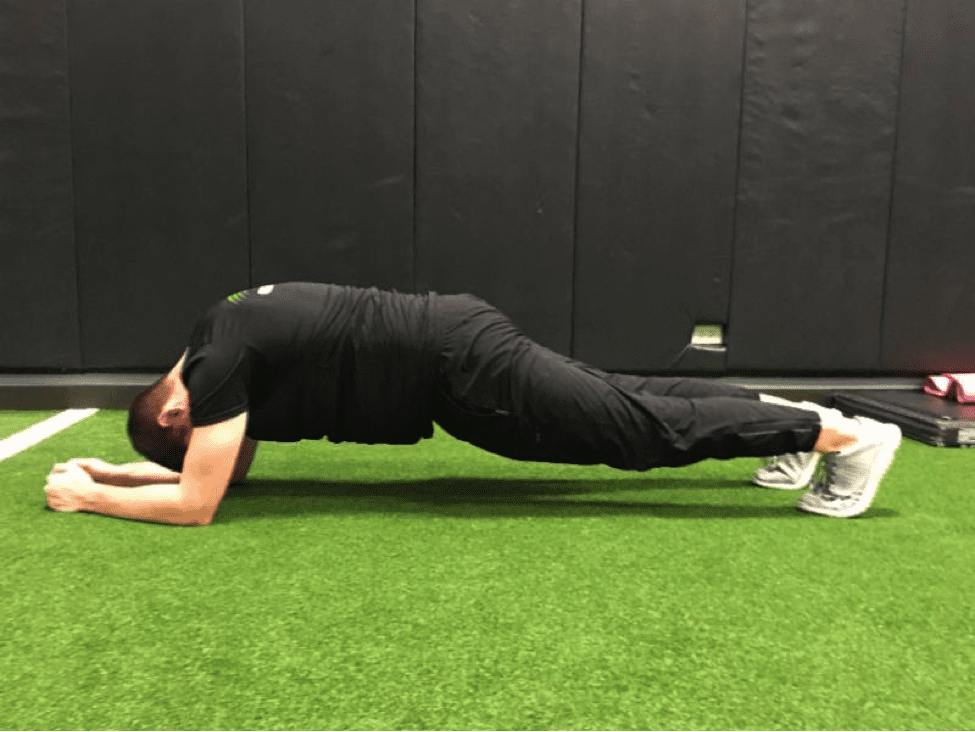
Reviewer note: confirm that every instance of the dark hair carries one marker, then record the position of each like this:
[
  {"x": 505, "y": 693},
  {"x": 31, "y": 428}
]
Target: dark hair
[{"x": 151, "y": 440}]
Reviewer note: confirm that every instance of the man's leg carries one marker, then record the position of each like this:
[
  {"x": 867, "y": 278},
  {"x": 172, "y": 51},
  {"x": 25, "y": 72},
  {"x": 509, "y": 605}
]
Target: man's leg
[
  {"x": 503, "y": 392},
  {"x": 688, "y": 388},
  {"x": 836, "y": 432},
  {"x": 857, "y": 451},
  {"x": 796, "y": 470},
  {"x": 506, "y": 394}
]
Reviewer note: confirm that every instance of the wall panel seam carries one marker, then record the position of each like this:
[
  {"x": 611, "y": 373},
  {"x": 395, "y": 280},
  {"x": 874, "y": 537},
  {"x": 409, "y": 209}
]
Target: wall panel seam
[
  {"x": 415, "y": 261},
  {"x": 905, "y": 8},
  {"x": 573, "y": 283},
  {"x": 82, "y": 358},
  {"x": 248, "y": 238},
  {"x": 735, "y": 203}
]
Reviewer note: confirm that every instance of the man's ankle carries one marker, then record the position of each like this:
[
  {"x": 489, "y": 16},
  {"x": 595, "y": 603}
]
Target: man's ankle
[{"x": 832, "y": 439}]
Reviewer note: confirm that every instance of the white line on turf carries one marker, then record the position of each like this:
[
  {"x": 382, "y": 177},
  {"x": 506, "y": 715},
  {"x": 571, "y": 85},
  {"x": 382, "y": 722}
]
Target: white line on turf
[{"x": 35, "y": 434}]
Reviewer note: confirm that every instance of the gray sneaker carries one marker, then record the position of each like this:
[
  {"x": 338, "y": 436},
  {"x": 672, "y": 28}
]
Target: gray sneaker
[
  {"x": 853, "y": 475},
  {"x": 788, "y": 472}
]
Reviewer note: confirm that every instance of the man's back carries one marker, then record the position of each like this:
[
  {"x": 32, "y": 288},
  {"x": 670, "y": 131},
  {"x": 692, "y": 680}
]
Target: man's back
[{"x": 310, "y": 360}]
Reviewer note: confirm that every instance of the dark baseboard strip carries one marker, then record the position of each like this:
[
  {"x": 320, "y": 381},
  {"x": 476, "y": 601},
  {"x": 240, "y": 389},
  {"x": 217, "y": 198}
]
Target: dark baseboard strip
[
  {"x": 71, "y": 391},
  {"x": 116, "y": 391}
]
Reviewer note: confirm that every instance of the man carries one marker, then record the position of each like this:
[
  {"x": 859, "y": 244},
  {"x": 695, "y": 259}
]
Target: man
[{"x": 299, "y": 361}]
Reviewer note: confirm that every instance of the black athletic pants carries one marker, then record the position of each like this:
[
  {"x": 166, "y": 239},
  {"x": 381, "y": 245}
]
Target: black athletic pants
[{"x": 499, "y": 390}]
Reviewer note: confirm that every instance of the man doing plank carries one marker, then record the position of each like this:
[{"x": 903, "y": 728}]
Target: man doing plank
[{"x": 305, "y": 361}]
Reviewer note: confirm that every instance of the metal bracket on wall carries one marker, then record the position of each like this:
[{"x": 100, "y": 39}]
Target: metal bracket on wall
[
  {"x": 705, "y": 352},
  {"x": 708, "y": 337}
]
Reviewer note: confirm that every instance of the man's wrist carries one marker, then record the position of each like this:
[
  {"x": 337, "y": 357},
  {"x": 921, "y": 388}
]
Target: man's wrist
[{"x": 89, "y": 497}]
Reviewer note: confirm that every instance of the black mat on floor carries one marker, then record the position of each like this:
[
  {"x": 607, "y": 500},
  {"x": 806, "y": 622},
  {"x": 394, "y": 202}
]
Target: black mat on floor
[{"x": 922, "y": 417}]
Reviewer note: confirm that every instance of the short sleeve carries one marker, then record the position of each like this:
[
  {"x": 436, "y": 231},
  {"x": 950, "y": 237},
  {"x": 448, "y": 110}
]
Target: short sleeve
[{"x": 218, "y": 378}]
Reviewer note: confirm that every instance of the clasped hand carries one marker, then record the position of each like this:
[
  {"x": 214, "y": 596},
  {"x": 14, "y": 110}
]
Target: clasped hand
[{"x": 68, "y": 483}]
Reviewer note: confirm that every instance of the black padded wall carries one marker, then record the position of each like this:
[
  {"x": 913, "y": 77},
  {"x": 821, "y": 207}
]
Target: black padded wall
[
  {"x": 157, "y": 97},
  {"x": 38, "y": 277},
  {"x": 330, "y": 140},
  {"x": 929, "y": 320},
  {"x": 497, "y": 104},
  {"x": 818, "y": 124},
  {"x": 661, "y": 88},
  {"x": 609, "y": 173}
]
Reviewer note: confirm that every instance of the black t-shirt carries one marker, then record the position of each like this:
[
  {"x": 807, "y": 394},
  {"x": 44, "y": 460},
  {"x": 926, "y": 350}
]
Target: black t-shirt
[{"x": 310, "y": 360}]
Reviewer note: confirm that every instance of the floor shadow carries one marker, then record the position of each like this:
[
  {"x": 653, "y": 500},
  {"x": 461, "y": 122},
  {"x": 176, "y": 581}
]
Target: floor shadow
[{"x": 504, "y": 498}]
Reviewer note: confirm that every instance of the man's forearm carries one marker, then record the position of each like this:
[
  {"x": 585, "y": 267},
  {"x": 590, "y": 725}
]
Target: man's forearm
[
  {"x": 161, "y": 503},
  {"x": 144, "y": 474},
  {"x": 139, "y": 474}
]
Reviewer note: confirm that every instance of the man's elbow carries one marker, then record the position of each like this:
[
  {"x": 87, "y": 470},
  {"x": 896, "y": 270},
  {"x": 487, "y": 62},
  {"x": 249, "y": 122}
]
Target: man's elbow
[
  {"x": 197, "y": 502},
  {"x": 197, "y": 515},
  {"x": 199, "y": 520}
]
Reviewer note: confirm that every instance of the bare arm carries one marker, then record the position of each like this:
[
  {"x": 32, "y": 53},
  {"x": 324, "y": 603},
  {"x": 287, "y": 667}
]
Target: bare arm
[
  {"x": 139, "y": 474},
  {"x": 132, "y": 475},
  {"x": 162, "y": 503},
  {"x": 128, "y": 475},
  {"x": 244, "y": 460},
  {"x": 191, "y": 499}
]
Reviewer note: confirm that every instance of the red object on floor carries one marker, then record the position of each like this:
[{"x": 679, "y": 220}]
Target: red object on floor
[{"x": 961, "y": 387}]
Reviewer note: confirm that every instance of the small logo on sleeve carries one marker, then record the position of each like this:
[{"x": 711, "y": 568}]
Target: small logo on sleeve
[{"x": 238, "y": 296}]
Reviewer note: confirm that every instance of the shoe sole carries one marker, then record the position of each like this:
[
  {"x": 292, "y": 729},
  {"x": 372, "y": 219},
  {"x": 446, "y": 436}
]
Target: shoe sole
[
  {"x": 879, "y": 468},
  {"x": 803, "y": 482}
]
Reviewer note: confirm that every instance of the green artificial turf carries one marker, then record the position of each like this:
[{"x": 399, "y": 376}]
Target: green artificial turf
[
  {"x": 439, "y": 587},
  {"x": 13, "y": 422}
]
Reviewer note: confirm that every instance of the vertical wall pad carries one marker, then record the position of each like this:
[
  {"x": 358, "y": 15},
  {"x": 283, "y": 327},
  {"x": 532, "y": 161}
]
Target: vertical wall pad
[
  {"x": 157, "y": 99},
  {"x": 929, "y": 323},
  {"x": 820, "y": 104},
  {"x": 38, "y": 279},
  {"x": 661, "y": 89},
  {"x": 497, "y": 108},
  {"x": 330, "y": 140}
]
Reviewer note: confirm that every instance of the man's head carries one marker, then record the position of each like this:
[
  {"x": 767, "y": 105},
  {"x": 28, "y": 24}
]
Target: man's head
[{"x": 159, "y": 422}]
